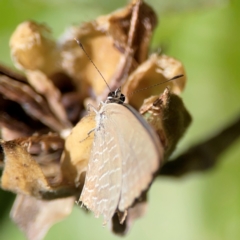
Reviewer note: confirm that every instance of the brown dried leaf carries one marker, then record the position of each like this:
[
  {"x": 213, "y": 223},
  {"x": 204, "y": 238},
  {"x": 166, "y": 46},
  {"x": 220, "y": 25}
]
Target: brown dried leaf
[{"x": 34, "y": 217}]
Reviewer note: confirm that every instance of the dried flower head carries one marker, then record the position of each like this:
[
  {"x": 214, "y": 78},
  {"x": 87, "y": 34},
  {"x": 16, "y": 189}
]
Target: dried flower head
[{"x": 44, "y": 113}]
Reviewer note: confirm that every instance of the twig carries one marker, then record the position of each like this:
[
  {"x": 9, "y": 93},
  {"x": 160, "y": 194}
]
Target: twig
[
  {"x": 5, "y": 71},
  {"x": 203, "y": 156}
]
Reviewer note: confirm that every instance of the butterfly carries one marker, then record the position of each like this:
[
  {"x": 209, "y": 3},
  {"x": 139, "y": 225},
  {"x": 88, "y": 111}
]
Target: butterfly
[{"x": 126, "y": 152}]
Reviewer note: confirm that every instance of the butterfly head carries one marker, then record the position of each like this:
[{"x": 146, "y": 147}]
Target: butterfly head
[{"x": 116, "y": 97}]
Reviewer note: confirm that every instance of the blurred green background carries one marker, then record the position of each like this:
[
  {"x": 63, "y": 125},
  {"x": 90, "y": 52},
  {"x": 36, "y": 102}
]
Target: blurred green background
[{"x": 205, "y": 36}]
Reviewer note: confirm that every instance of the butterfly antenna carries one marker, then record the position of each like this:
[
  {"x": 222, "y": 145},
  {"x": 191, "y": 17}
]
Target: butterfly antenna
[
  {"x": 142, "y": 89},
  {"x": 80, "y": 44}
]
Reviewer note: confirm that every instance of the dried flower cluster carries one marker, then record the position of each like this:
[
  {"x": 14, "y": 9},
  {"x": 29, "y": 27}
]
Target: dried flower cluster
[{"x": 40, "y": 160}]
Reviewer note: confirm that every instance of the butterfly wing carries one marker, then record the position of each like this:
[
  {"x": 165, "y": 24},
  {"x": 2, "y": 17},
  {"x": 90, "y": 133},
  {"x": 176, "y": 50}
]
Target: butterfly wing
[
  {"x": 102, "y": 187},
  {"x": 125, "y": 154},
  {"x": 140, "y": 148}
]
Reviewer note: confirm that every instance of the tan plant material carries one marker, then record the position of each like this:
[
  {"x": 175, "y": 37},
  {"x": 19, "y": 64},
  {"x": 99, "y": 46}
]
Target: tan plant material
[
  {"x": 28, "y": 178},
  {"x": 35, "y": 217},
  {"x": 77, "y": 150},
  {"x": 47, "y": 139},
  {"x": 168, "y": 116}
]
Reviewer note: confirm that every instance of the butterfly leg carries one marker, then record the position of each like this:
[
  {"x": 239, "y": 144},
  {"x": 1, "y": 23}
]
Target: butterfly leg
[
  {"x": 91, "y": 108},
  {"x": 88, "y": 135}
]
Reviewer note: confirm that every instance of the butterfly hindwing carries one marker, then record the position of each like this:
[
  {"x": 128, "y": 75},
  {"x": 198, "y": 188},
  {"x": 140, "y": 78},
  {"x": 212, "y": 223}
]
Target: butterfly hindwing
[{"x": 102, "y": 185}]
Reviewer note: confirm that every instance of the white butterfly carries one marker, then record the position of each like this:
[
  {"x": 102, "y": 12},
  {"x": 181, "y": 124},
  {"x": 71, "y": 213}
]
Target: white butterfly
[{"x": 126, "y": 152}]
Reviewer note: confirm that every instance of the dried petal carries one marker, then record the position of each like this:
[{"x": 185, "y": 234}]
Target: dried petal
[
  {"x": 43, "y": 85},
  {"x": 11, "y": 128},
  {"x": 34, "y": 217},
  {"x": 154, "y": 71},
  {"x": 77, "y": 150},
  {"x": 77, "y": 65},
  {"x": 117, "y": 24},
  {"x": 33, "y": 49},
  {"x": 32, "y": 103},
  {"x": 12, "y": 74}
]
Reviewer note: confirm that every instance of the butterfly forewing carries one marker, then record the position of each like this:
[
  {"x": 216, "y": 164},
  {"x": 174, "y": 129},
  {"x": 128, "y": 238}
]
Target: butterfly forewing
[{"x": 140, "y": 150}]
